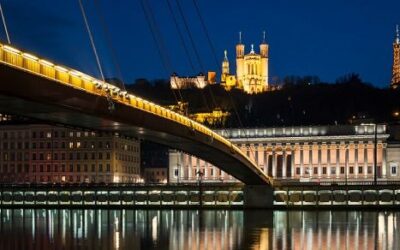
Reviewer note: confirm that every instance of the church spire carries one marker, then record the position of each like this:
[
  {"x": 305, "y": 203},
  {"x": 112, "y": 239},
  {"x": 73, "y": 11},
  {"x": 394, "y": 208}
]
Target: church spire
[
  {"x": 397, "y": 40},
  {"x": 240, "y": 37},
  {"x": 263, "y": 41},
  {"x": 225, "y": 55}
]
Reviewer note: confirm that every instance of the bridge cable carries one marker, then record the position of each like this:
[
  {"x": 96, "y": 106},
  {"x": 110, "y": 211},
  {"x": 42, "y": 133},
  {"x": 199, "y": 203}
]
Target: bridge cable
[
  {"x": 205, "y": 30},
  {"x": 4, "y": 24},
  {"x": 111, "y": 106},
  {"x": 158, "y": 41},
  {"x": 180, "y": 10},
  {"x": 185, "y": 47},
  {"x": 109, "y": 43}
]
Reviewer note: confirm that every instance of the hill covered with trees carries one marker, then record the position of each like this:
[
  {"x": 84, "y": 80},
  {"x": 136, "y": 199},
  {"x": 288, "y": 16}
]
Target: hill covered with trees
[{"x": 300, "y": 101}]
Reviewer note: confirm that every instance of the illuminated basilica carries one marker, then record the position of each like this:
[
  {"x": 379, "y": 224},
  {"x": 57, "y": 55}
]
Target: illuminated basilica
[{"x": 251, "y": 69}]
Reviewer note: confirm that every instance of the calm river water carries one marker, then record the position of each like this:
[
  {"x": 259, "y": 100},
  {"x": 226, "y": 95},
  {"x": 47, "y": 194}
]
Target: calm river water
[{"x": 192, "y": 229}]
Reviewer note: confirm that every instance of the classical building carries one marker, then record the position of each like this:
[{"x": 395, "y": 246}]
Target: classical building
[
  {"x": 43, "y": 153},
  {"x": 313, "y": 153},
  {"x": 396, "y": 60},
  {"x": 251, "y": 69}
]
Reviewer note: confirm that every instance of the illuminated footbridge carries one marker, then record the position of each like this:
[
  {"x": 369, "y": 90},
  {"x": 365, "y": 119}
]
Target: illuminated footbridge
[{"x": 36, "y": 88}]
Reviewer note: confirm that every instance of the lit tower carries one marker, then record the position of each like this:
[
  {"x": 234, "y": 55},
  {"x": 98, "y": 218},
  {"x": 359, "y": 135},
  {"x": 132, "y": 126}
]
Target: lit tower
[
  {"x": 240, "y": 62},
  {"x": 225, "y": 67},
  {"x": 396, "y": 60},
  {"x": 264, "y": 62}
]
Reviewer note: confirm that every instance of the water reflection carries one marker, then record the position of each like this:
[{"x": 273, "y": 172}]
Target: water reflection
[{"x": 189, "y": 229}]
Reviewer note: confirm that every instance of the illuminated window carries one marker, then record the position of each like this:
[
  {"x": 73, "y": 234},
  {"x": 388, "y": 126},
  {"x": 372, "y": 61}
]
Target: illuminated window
[
  {"x": 48, "y": 156},
  {"x": 48, "y": 134},
  {"x": 71, "y": 145},
  {"x": 78, "y": 134},
  {"x": 71, "y": 134},
  {"x": 78, "y": 144}
]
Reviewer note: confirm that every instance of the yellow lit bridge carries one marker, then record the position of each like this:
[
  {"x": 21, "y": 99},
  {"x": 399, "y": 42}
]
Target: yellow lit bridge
[{"x": 36, "y": 88}]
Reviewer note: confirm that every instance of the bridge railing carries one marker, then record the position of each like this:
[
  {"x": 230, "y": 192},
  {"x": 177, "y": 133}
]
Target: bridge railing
[{"x": 75, "y": 79}]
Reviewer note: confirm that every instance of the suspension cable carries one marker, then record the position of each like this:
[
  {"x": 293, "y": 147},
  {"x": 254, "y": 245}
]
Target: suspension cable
[
  {"x": 109, "y": 43},
  {"x": 185, "y": 47},
  {"x": 156, "y": 37},
  {"x": 194, "y": 46},
  {"x": 111, "y": 106},
  {"x": 4, "y": 24}
]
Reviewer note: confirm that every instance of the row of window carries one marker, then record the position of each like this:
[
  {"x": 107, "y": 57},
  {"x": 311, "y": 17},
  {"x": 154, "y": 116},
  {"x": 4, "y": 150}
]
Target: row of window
[
  {"x": 63, "y": 156},
  {"x": 55, "y": 168},
  {"x": 71, "y": 145},
  {"x": 46, "y": 134},
  {"x": 309, "y": 171},
  {"x": 5, "y": 169}
]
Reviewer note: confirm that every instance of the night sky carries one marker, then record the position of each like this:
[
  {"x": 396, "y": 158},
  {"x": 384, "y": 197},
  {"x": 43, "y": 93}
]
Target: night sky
[{"x": 311, "y": 37}]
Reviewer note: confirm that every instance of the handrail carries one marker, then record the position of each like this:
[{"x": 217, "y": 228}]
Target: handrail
[{"x": 73, "y": 78}]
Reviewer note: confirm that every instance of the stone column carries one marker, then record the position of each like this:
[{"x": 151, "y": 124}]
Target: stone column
[
  {"x": 319, "y": 160},
  {"x": 273, "y": 161},
  {"x": 346, "y": 160},
  {"x": 328, "y": 159},
  {"x": 284, "y": 161},
  {"x": 356, "y": 159},
  {"x": 301, "y": 161},
  {"x": 265, "y": 159},
  {"x": 293, "y": 152},
  {"x": 384, "y": 165},
  {"x": 337, "y": 161}
]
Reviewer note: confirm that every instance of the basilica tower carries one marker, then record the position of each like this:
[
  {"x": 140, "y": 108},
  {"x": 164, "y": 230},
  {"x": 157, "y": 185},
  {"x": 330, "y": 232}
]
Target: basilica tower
[
  {"x": 240, "y": 62},
  {"x": 396, "y": 60},
  {"x": 264, "y": 62},
  {"x": 225, "y": 67}
]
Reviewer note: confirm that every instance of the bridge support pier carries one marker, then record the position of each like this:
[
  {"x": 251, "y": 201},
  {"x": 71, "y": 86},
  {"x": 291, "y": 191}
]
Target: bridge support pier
[{"x": 258, "y": 196}]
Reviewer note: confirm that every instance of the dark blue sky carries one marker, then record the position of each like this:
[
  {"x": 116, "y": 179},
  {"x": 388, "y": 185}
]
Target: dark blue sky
[{"x": 308, "y": 37}]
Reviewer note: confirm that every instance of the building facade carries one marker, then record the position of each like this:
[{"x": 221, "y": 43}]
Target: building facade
[
  {"x": 156, "y": 175},
  {"x": 316, "y": 153},
  {"x": 39, "y": 153},
  {"x": 396, "y": 60},
  {"x": 251, "y": 69},
  {"x": 178, "y": 82}
]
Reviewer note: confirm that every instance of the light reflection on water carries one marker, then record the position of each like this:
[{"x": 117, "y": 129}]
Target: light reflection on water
[{"x": 191, "y": 229}]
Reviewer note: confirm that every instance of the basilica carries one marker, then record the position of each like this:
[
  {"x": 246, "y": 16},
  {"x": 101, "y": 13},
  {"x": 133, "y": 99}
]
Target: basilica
[{"x": 251, "y": 69}]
